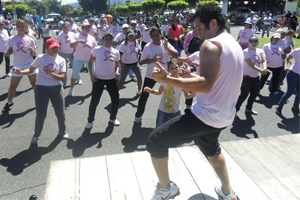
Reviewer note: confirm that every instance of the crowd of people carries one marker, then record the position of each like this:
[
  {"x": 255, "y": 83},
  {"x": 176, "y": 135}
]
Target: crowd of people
[{"x": 226, "y": 73}]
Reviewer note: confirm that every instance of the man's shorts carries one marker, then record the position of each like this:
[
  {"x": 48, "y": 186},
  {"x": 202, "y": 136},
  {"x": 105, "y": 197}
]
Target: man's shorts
[{"x": 23, "y": 67}]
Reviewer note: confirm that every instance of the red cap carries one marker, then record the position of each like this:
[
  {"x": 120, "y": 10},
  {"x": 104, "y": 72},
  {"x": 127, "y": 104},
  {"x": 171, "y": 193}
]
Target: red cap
[{"x": 52, "y": 42}]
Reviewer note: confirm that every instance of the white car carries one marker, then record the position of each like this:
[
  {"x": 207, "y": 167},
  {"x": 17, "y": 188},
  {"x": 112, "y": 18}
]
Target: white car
[{"x": 51, "y": 19}]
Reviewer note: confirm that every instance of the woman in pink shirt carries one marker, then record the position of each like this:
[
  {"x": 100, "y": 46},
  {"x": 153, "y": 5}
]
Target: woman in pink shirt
[
  {"x": 52, "y": 70},
  {"x": 175, "y": 35},
  {"x": 244, "y": 34},
  {"x": 83, "y": 43},
  {"x": 105, "y": 73},
  {"x": 23, "y": 48}
]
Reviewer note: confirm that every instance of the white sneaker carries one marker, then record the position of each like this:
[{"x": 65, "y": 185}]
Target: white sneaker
[
  {"x": 8, "y": 75},
  {"x": 79, "y": 82},
  {"x": 160, "y": 194},
  {"x": 139, "y": 92},
  {"x": 137, "y": 120},
  {"x": 89, "y": 125},
  {"x": 64, "y": 136},
  {"x": 34, "y": 140},
  {"x": 71, "y": 92},
  {"x": 115, "y": 122},
  {"x": 222, "y": 195}
]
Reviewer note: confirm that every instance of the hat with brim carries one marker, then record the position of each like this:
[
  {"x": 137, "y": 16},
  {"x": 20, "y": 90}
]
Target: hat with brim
[
  {"x": 276, "y": 35},
  {"x": 103, "y": 15},
  {"x": 133, "y": 22},
  {"x": 130, "y": 32},
  {"x": 247, "y": 22},
  {"x": 280, "y": 31},
  {"x": 108, "y": 33},
  {"x": 51, "y": 43},
  {"x": 85, "y": 23},
  {"x": 125, "y": 26}
]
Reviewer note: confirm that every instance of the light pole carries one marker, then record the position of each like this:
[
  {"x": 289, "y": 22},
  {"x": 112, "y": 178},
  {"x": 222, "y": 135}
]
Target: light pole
[{"x": 14, "y": 11}]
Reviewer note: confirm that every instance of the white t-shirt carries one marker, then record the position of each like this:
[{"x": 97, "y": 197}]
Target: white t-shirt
[
  {"x": 195, "y": 57},
  {"x": 115, "y": 30},
  {"x": 267, "y": 18},
  {"x": 101, "y": 31},
  {"x": 56, "y": 64},
  {"x": 46, "y": 31},
  {"x": 146, "y": 36},
  {"x": 282, "y": 42},
  {"x": 256, "y": 58},
  {"x": 288, "y": 42},
  {"x": 164, "y": 28},
  {"x": 170, "y": 100},
  {"x": 20, "y": 47},
  {"x": 130, "y": 52},
  {"x": 245, "y": 34},
  {"x": 273, "y": 54},
  {"x": 150, "y": 51},
  {"x": 141, "y": 27},
  {"x": 65, "y": 40},
  {"x": 74, "y": 28},
  {"x": 105, "y": 62},
  {"x": 296, "y": 67},
  {"x": 119, "y": 37},
  {"x": 4, "y": 37},
  {"x": 83, "y": 51}
]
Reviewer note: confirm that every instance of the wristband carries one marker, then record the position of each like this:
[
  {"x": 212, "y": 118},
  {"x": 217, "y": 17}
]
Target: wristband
[{"x": 152, "y": 92}]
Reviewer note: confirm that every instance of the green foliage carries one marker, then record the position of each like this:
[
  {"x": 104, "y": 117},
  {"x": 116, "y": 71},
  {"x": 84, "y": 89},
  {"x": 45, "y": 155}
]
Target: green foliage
[
  {"x": 40, "y": 7},
  {"x": 152, "y": 5},
  {"x": 177, "y": 5},
  {"x": 32, "y": 11},
  {"x": 21, "y": 10},
  {"x": 201, "y": 2},
  {"x": 53, "y": 5},
  {"x": 94, "y": 6},
  {"x": 134, "y": 8},
  {"x": 121, "y": 9},
  {"x": 76, "y": 13},
  {"x": 298, "y": 3},
  {"x": 64, "y": 9}
]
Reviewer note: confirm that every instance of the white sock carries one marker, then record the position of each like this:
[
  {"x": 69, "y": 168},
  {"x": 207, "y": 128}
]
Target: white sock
[{"x": 9, "y": 103}]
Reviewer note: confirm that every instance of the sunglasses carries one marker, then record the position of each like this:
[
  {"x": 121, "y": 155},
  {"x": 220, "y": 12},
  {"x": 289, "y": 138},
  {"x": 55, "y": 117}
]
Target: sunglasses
[{"x": 253, "y": 41}]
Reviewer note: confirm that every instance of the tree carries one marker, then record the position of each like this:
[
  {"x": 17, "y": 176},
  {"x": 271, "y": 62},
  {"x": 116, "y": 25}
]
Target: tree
[
  {"x": 53, "y": 5},
  {"x": 121, "y": 10},
  {"x": 298, "y": 3},
  {"x": 94, "y": 6},
  {"x": 21, "y": 10},
  {"x": 40, "y": 7},
  {"x": 64, "y": 9},
  {"x": 192, "y": 3},
  {"x": 177, "y": 5},
  {"x": 152, "y": 5},
  {"x": 202, "y": 2},
  {"x": 134, "y": 8}
]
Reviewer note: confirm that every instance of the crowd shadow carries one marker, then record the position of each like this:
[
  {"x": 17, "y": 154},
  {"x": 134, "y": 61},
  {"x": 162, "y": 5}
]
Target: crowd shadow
[
  {"x": 75, "y": 99},
  {"x": 123, "y": 102},
  {"x": 242, "y": 128},
  {"x": 87, "y": 140},
  {"x": 4, "y": 96},
  {"x": 290, "y": 124},
  {"x": 201, "y": 196},
  {"x": 138, "y": 137},
  {"x": 26, "y": 158},
  {"x": 269, "y": 101},
  {"x": 6, "y": 118}
]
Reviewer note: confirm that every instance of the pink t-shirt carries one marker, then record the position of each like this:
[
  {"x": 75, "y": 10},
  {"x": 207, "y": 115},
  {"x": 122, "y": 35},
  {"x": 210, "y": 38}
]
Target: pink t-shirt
[
  {"x": 195, "y": 57},
  {"x": 93, "y": 30},
  {"x": 65, "y": 40},
  {"x": 4, "y": 37},
  {"x": 273, "y": 54},
  {"x": 105, "y": 62},
  {"x": 119, "y": 37},
  {"x": 245, "y": 34},
  {"x": 296, "y": 67},
  {"x": 130, "y": 52},
  {"x": 141, "y": 27},
  {"x": 150, "y": 51},
  {"x": 56, "y": 64},
  {"x": 20, "y": 47},
  {"x": 101, "y": 31},
  {"x": 74, "y": 28},
  {"x": 83, "y": 51},
  {"x": 115, "y": 30},
  {"x": 146, "y": 36},
  {"x": 256, "y": 58}
]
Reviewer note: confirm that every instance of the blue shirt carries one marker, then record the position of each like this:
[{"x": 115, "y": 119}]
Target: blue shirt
[{"x": 39, "y": 20}]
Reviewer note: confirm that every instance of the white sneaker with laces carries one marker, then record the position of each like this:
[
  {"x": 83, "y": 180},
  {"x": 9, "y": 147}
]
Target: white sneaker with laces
[
  {"x": 34, "y": 140},
  {"x": 222, "y": 195},
  {"x": 161, "y": 194},
  {"x": 115, "y": 122},
  {"x": 137, "y": 120},
  {"x": 71, "y": 92},
  {"x": 8, "y": 75},
  {"x": 79, "y": 82},
  {"x": 64, "y": 136},
  {"x": 139, "y": 92},
  {"x": 89, "y": 125}
]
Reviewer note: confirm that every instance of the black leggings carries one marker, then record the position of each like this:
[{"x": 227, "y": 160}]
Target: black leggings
[
  {"x": 143, "y": 45},
  {"x": 113, "y": 92},
  {"x": 144, "y": 97},
  {"x": 275, "y": 78},
  {"x": 7, "y": 62}
]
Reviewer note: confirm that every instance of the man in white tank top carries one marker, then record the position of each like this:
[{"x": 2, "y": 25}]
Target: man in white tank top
[{"x": 218, "y": 88}]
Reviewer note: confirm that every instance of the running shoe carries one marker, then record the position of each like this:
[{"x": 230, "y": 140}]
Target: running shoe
[
  {"x": 139, "y": 92},
  {"x": 7, "y": 106},
  {"x": 137, "y": 120},
  {"x": 71, "y": 92},
  {"x": 133, "y": 79},
  {"x": 223, "y": 196},
  {"x": 8, "y": 75},
  {"x": 278, "y": 110},
  {"x": 295, "y": 110},
  {"x": 115, "y": 122},
  {"x": 89, "y": 125},
  {"x": 34, "y": 140},
  {"x": 252, "y": 112},
  {"x": 64, "y": 136},
  {"x": 161, "y": 194},
  {"x": 79, "y": 82}
]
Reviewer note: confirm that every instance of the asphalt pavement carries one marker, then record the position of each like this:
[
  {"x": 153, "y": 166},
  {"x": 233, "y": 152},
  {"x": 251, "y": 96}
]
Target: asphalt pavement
[{"x": 24, "y": 171}]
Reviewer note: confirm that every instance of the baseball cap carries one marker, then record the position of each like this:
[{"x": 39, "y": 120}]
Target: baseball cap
[
  {"x": 52, "y": 42},
  {"x": 130, "y": 32},
  {"x": 103, "y": 15},
  {"x": 133, "y": 22},
  {"x": 125, "y": 26},
  {"x": 85, "y": 23},
  {"x": 247, "y": 22},
  {"x": 276, "y": 35},
  {"x": 108, "y": 33},
  {"x": 280, "y": 31}
]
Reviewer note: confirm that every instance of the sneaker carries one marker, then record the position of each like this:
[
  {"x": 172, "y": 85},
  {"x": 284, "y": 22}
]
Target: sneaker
[
  {"x": 137, "y": 120},
  {"x": 161, "y": 194},
  {"x": 8, "y": 75},
  {"x": 89, "y": 125},
  {"x": 295, "y": 110},
  {"x": 223, "y": 196},
  {"x": 115, "y": 122},
  {"x": 276, "y": 93},
  {"x": 278, "y": 110},
  {"x": 79, "y": 82},
  {"x": 71, "y": 92},
  {"x": 7, "y": 107},
  {"x": 34, "y": 140},
  {"x": 133, "y": 79},
  {"x": 64, "y": 136},
  {"x": 252, "y": 112},
  {"x": 139, "y": 92}
]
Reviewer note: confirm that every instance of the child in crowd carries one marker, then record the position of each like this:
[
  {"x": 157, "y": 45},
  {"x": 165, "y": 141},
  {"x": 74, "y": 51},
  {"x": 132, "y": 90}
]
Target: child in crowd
[
  {"x": 289, "y": 39},
  {"x": 170, "y": 101}
]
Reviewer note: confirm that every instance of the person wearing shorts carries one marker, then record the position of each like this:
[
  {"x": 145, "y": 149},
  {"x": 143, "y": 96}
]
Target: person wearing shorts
[
  {"x": 52, "y": 69},
  {"x": 218, "y": 88},
  {"x": 23, "y": 48},
  {"x": 83, "y": 43}
]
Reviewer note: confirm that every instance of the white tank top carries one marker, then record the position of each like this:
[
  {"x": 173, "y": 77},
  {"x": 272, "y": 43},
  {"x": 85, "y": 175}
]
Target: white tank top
[{"x": 217, "y": 108}]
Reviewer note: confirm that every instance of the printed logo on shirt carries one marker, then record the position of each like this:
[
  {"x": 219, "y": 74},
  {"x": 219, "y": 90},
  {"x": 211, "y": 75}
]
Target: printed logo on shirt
[
  {"x": 108, "y": 56},
  {"x": 256, "y": 59},
  {"x": 169, "y": 99},
  {"x": 52, "y": 67},
  {"x": 160, "y": 58},
  {"x": 20, "y": 46},
  {"x": 275, "y": 51},
  {"x": 87, "y": 45},
  {"x": 244, "y": 35},
  {"x": 67, "y": 39},
  {"x": 132, "y": 49}
]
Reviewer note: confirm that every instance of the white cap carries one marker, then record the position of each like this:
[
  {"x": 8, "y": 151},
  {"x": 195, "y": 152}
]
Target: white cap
[
  {"x": 103, "y": 15},
  {"x": 276, "y": 35},
  {"x": 125, "y": 26}
]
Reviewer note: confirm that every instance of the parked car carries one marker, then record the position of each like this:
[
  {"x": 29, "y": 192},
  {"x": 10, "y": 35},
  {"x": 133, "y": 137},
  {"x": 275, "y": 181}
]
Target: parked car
[
  {"x": 51, "y": 19},
  {"x": 240, "y": 12}
]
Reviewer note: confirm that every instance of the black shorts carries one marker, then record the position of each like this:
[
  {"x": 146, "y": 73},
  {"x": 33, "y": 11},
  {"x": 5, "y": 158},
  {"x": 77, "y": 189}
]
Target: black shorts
[{"x": 184, "y": 129}]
